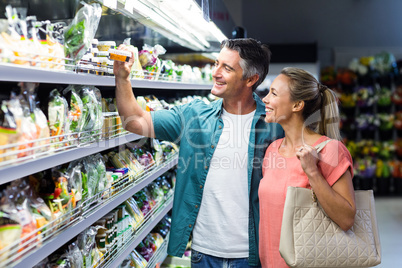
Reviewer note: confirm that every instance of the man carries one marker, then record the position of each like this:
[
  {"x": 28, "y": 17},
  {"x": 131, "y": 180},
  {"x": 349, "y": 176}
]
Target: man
[{"x": 221, "y": 150}]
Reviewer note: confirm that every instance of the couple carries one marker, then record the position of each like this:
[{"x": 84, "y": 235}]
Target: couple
[{"x": 234, "y": 166}]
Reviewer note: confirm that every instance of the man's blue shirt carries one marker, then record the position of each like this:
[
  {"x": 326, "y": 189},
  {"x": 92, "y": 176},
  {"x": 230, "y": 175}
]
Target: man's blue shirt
[{"x": 196, "y": 127}]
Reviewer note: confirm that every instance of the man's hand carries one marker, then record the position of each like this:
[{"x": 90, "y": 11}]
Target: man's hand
[{"x": 121, "y": 69}]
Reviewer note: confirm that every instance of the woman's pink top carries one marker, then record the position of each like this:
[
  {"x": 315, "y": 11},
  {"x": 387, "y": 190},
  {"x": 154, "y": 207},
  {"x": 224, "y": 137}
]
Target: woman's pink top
[{"x": 280, "y": 172}]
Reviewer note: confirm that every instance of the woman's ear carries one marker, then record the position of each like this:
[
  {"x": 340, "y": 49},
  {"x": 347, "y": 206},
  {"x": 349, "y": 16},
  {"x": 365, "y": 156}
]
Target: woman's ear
[{"x": 298, "y": 106}]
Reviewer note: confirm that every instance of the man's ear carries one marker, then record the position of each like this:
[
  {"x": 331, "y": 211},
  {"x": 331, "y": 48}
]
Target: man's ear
[
  {"x": 298, "y": 106},
  {"x": 252, "y": 80}
]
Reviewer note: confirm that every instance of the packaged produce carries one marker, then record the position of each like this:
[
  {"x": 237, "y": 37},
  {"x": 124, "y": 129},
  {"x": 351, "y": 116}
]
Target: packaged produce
[
  {"x": 145, "y": 250},
  {"x": 157, "y": 238},
  {"x": 10, "y": 231},
  {"x": 74, "y": 116},
  {"x": 8, "y": 131},
  {"x": 136, "y": 69},
  {"x": 43, "y": 131},
  {"x": 157, "y": 151},
  {"x": 149, "y": 55},
  {"x": 167, "y": 72},
  {"x": 106, "y": 45},
  {"x": 86, "y": 243},
  {"x": 168, "y": 148},
  {"x": 92, "y": 113},
  {"x": 134, "y": 212},
  {"x": 57, "y": 114},
  {"x": 81, "y": 31},
  {"x": 98, "y": 113},
  {"x": 26, "y": 128},
  {"x": 74, "y": 174},
  {"x": 137, "y": 260},
  {"x": 143, "y": 201},
  {"x": 52, "y": 186},
  {"x": 30, "y": 42},
  {"x": 163, "y": 183},
  {"x": 90, "y": 179},
  {"x": 156, "y": 192},
  {"x": 101, "y": 172},
  {"x": 39, "y": 210},
  {"x": 144, "y": 158},
  {"x": 147, "y": 247},
  {"x": 16, "y": 201},
  {"x": 35, "y": 116},
  {"x": 163, "y": 227}
]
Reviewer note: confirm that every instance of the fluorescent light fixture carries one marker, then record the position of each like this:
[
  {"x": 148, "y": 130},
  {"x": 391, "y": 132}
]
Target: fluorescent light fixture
[{"x": 182, "y": 21}]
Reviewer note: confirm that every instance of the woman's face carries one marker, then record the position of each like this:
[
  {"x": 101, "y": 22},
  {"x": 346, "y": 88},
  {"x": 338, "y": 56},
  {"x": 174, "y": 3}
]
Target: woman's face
[{"x": 278, "y": 106}]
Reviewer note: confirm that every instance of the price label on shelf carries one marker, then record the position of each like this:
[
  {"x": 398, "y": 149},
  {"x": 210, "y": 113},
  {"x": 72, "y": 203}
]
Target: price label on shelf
[
  {"x": 129, "y": 6},
  {"x": 110, "y": 3}
]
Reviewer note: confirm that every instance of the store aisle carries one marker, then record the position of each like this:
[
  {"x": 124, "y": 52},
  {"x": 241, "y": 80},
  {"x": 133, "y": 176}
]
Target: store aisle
[{"x": 389, "y": 218}]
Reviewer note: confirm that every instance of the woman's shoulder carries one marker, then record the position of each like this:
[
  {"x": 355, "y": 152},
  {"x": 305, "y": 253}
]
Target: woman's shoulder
[{"x": 334, "y": 150}]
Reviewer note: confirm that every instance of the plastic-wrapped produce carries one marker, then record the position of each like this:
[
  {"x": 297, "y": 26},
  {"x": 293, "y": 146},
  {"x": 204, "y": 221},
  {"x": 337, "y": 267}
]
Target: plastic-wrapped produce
[
  {"x": 86, "y": 243},
  {"x": 138, "y": 260},
  {"x": 90, "y": 178},
  {"x": 79, "y": 34},
  {"x": 143, "y": 201},
  {"x": 10, "y": 231},
  {"x": 16, "y": 202},
  {"x": 134, "y": 212},
  {"x": 157, "y": 238},
  {"x": 168, "y": 148},
  {"x": 92, "y": 112},
  {"x": 144, "y": 157},
  {"x": 99, "y": 119},
  {"x": 156, "y": 192},
  {"x": 163, "y": 227},
  {"x": 57, "y": 115},
  {"x": 8, "y": 131},
  {"x": 74, "y": 116},
  {"x": 39, "y": 210},
  {"x": 145, "y": 250},
  {"x": 101, "y": 171},
  {"x": 75, "y": 182},
  {"x": 164, "y": 185}
]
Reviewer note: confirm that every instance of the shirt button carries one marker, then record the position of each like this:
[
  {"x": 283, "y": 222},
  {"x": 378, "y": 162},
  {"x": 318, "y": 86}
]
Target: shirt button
[
  {"x": 212, "y": 146},
  {"x": 200, "y": 186},
  {"x": 189, "y": 225},
  {"x": 206, "y": 167},
  {"x": 196, "y": 206},
  {"x": 220, "y": 127}
]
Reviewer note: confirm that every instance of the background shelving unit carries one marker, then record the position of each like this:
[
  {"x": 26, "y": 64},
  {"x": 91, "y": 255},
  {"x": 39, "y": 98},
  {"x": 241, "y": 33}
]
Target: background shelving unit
[{"x": 20, "y": 169}]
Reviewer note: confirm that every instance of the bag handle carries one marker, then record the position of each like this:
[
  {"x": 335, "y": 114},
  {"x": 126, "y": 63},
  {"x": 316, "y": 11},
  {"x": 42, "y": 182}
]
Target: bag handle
[
  {"x": 318, "y": 148},
  {"x": 321, "y": 145}
]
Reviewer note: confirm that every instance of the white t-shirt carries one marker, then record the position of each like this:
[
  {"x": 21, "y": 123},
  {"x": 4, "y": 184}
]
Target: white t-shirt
[{"x": 221, "y": 228}]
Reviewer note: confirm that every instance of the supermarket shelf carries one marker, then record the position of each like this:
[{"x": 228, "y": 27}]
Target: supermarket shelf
[
  {"x": 16, "y": 73},
  {"x": 50, "y": 246},
  {"x": 18, "y": 169},
  {"x": 135, "y": 240}
]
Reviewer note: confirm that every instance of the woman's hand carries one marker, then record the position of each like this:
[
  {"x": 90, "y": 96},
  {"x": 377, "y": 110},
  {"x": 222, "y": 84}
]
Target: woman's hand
[
  {"x": 121, "y": 69},
  {"x": 308, "y": 157}
]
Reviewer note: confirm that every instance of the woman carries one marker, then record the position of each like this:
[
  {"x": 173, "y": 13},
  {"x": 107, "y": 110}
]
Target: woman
[{"x": 308, "y": 113}]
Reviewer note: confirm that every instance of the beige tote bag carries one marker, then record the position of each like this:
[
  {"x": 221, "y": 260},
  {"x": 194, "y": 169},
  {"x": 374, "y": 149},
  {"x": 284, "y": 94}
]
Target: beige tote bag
[{"x": 309, "y": 238}]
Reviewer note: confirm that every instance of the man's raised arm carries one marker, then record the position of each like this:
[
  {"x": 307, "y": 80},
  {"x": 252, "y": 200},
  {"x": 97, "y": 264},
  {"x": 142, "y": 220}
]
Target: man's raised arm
[{"x": 134, "y": 119}]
